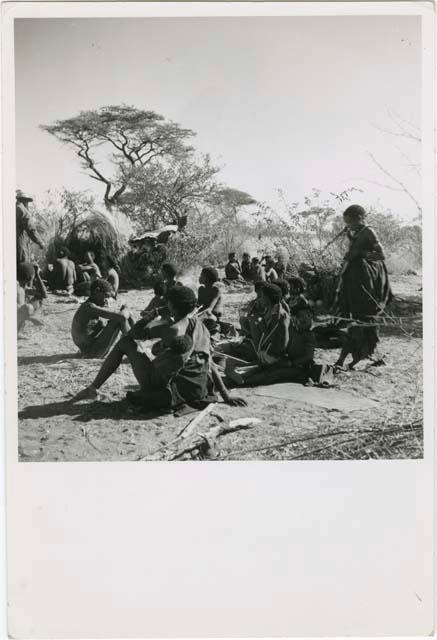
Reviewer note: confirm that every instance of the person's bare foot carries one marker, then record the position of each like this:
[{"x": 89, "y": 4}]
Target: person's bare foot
[{"x": 89, "y": 393}]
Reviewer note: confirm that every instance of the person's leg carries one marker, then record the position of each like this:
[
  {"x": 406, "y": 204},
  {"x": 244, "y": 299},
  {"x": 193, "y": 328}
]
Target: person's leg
[
  {"x": 104, "y": 341},
  {"x": 140, "y": 363},
  {"x": 23, "y": 314}
]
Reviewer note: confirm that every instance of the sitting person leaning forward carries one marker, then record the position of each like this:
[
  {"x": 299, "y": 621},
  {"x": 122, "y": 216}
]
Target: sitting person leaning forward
[
  {"x": 88, "y": 330},
  {"x": 180, "y": 373}
]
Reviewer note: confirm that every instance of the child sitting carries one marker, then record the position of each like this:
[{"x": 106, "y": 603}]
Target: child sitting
[
  {"x": 232, "y": 268},
  {"x": 210, "y": 299},
  {"x": 94, "y": 337},
  {"x": 29, "y": 297}
]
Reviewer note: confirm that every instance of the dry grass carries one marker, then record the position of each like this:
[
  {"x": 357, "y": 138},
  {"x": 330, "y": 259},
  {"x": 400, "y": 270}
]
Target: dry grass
[{"x": 110, "y": 430}]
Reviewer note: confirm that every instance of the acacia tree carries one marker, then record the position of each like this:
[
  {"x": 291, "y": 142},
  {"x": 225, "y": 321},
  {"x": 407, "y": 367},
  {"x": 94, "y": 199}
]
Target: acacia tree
[
  {"x": 168, "y": 191},
  {"x": 126, "y": 137}
]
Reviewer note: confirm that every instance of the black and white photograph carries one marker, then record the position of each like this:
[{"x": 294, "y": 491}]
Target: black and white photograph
[{"x": 219, "y": 238}]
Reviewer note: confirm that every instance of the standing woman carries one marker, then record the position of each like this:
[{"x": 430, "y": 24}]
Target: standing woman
[{"x": 363, "y": 290}]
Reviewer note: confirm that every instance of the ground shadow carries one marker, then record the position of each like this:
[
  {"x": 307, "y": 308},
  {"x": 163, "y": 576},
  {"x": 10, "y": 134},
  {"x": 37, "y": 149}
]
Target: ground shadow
[
  {"x": 85, "y": 412},
  {"x": 50, "y": 359}
]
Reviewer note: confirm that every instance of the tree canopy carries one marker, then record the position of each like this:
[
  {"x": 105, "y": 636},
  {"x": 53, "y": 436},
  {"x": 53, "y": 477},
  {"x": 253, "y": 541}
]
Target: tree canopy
[{"x": 132, "y": 137}]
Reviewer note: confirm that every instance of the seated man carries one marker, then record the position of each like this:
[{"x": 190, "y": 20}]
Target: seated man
[
  {"x": 210, "y": 299},
  {"x": 30, "y": 293},
  {"x": 158, "y": 302},
  {"x": 166, "y": 381},
  {"x": 94, "y": 337},
  {"x": 232, "y": 268},
  {"x": 63, "y": 277}
]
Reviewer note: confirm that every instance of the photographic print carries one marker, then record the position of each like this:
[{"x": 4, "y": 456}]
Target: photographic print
[{"x": 219, "y": 238}]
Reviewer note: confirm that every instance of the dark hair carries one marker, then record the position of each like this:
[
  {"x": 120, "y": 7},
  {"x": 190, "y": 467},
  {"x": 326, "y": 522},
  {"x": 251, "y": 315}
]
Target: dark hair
[
  {"x": 159, "y": 288},
  {"x": 63, "y": 252},
  {"x": 297, "y": 284},
  {"x": 169, "y": 269},
  {"x": 112, "y": 262},
  {"x": 101, "y": 285},
  {"x": 259, "y": 284},
  {"x": 25, "y": 272},
  {"x": 181, "y": 344},
  {"x": 272, "y": 293},
  {"x": 231, "y": 254},
  {"x": 284, "y": 287},
  {"x": 255, "y": 259},
  {"x": 355, "y": 212},
  {"x": 211, "y": 274},
  {"x": 183, "y": 299},
  {"x": 246, "y": 255}
]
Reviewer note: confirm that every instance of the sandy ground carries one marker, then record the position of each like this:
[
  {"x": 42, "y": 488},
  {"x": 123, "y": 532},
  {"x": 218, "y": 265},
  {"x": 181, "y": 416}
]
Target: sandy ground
[{"x": 48, "y": 369}]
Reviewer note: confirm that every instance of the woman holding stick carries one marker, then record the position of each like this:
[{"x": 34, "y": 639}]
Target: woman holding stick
[{"x": 363, "y": 290}]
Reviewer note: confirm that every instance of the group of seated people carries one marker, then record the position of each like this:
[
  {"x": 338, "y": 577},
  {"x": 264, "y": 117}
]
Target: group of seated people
[
  {"x": 66, "y": 277},
  {"x": 183, "y": 366},
  {"x": 255, "y": 269}
]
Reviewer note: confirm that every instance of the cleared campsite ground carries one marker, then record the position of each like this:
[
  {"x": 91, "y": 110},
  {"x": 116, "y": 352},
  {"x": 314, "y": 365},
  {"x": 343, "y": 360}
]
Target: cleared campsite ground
[{"x": 49, "y": 430}]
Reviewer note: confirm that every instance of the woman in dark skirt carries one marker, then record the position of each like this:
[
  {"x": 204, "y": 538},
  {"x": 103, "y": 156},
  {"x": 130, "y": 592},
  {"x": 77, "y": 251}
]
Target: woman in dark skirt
[{"x": 363, "y": 290}]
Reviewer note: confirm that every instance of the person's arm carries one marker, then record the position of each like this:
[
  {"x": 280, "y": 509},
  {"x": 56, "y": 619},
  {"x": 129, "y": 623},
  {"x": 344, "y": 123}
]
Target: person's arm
[
  {"x": 376, "y": 252},
  {"x": 31, "y": 231},
  {"x": 103, "y": 312},
  {"x": 220, "y": 385}
]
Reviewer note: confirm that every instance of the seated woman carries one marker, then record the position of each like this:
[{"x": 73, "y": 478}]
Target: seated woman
[
  {"x": 90, "y": 333},
  {"x": 30, "y": 293},
  {"x": 265, "y": 334},
  {"x": 167, "y": 381},
  {"x": 210, "y": 299}
]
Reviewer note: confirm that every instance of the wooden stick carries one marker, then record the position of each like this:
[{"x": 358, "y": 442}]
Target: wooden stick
[{"x": 189, "y": 428}]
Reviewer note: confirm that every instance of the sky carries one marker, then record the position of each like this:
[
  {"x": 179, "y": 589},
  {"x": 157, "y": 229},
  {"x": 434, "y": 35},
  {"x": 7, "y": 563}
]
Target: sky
[{"x": 290, "y": 103}]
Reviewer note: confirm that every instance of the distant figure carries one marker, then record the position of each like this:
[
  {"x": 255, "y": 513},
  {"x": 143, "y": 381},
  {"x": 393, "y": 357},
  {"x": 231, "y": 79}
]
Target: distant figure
[
  {"x": 29, "y": 297},
  {"x": 24, "y": 227},
  {"x": 63, "y": 276},
  {"x": 258, "y": 274},
  {"x": 271, "y": 274},
  {"x": 157, "y": 302},
  {"x": 233, "y": 269},
  {"x": 246, "y": 268},
  {"x": 90, "y": 334},
  {"x": 112, "y": 274}
]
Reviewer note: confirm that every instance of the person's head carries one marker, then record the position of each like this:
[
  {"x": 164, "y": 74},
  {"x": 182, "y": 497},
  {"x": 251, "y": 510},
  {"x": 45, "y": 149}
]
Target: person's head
[
  {"x": 284, "y": 287},
  {"x": 181, "y": 344},
  {"x": 100, "y": 291},
  {"x": 246, "y": 257},
  {"x": 269, "y": 262},
  {"x": 208, "y": 276},
  {"x": 22, "y": 197},
  {"x": 25, "y": 274},
  {"x": 159, "y": 288},
  {"x": 232, "y": 256},
  {"x": 259, "y": 284},
  {"x": 270, "y": 295},
  {"x": 354, "y": 216},
  {"x": 255, "y": 261},
  {"x": 168, "y": 271},
  {"x": 181, "y": 301},
  {"x": 63, "y": 252},
  {"x": 297, "y": 285}
]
